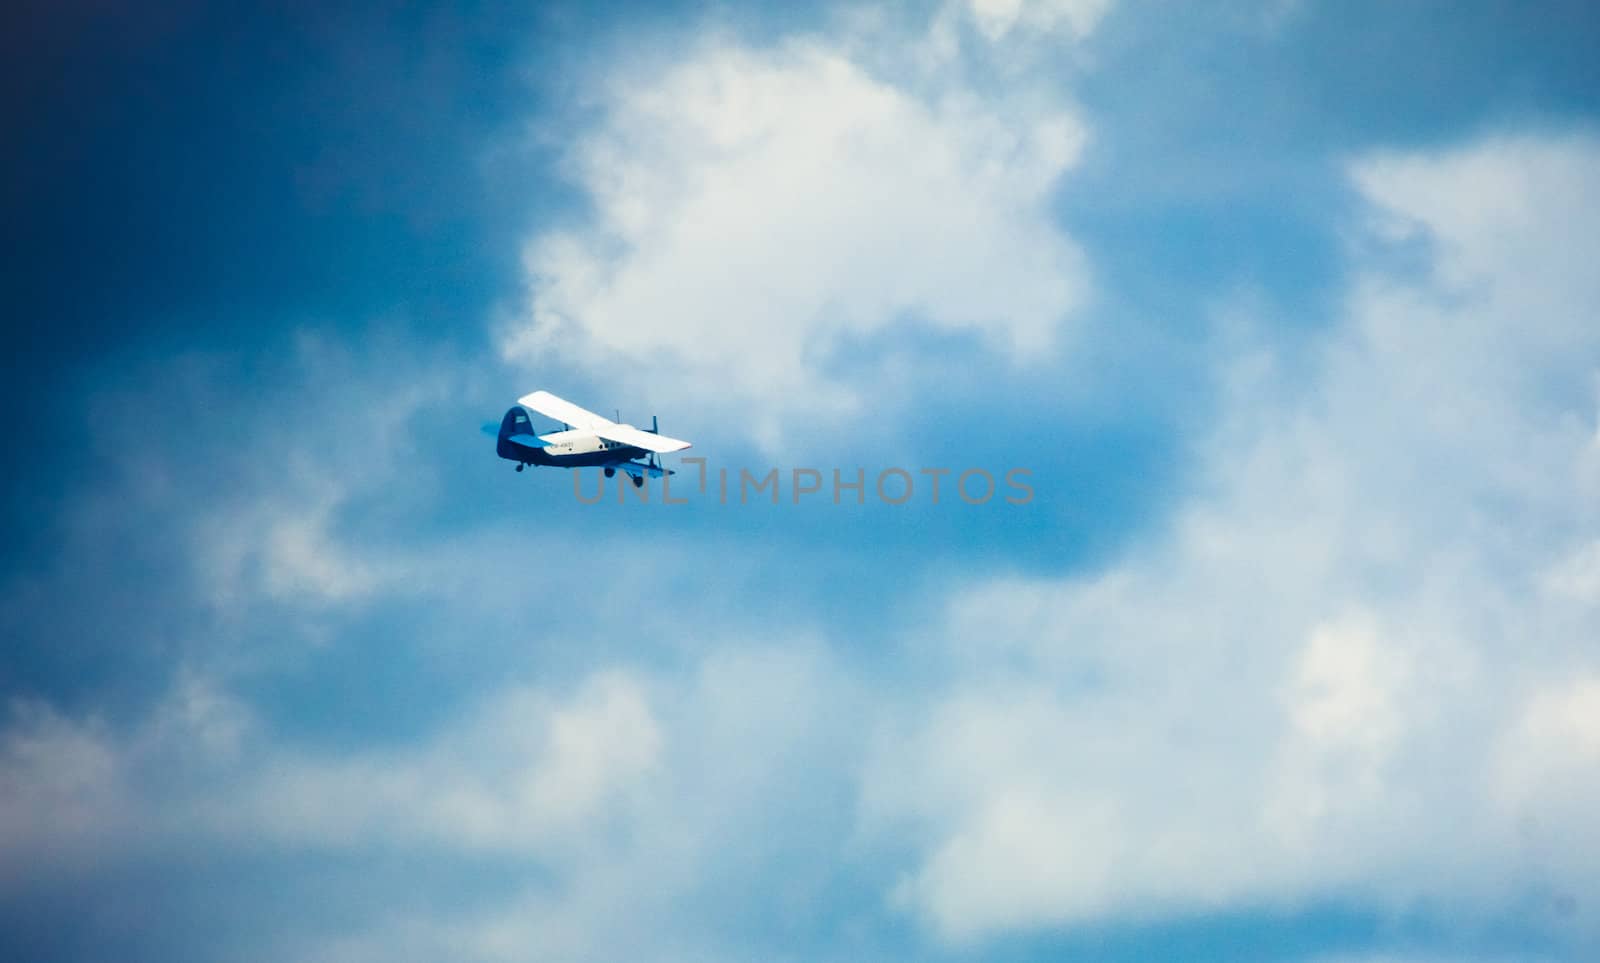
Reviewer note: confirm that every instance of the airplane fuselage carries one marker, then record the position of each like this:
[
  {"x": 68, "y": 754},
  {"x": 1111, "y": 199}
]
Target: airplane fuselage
[{"x": 569, "y": 449}]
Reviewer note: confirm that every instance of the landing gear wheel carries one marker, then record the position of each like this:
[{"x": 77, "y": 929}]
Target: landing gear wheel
[
  {"x": 638, "y": 481},
  {"x": 611, "y": 472},
  {"x": 519, "y": 466}
]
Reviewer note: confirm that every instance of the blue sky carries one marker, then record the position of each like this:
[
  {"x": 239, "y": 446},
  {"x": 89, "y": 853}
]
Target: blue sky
[{"x": 1285, "y": 307}]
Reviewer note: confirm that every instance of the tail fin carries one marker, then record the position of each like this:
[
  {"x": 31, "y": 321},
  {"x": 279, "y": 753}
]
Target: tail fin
[{"x": 516, "y": 435}]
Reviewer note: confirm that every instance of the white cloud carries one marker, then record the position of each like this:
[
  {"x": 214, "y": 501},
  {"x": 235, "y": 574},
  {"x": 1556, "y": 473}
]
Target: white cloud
[
  {"x": 57, "y": 786},
  {"x": 1361, "y": 659},
  {"x": 78, "y": 792},
  {"x": 741, "y": 823},
  {"x": 520, "y": 773},
  {"x": 278, "y": 545},
  {"x": 996, "y": 18},
  {"x": 1546, "y": 767},
  {"x": 616, "y": 814},
  {"x": 735, "y": 784},
  {"x": 1577, "y": 575},
  {"x": 330, "y": 437},
  {"x": 517, "y": 774},
  {"x": 758, "y": 211}
]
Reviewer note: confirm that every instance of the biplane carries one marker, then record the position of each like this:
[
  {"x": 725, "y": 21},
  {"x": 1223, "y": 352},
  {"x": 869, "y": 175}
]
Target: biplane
[{"x": 585, "y": 440}]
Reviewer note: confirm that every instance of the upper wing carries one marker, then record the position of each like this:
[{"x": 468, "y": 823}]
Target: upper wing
[
  {"x": 563, "y": 411},
  {"x": 566, "y": 412},
  {"x": 648, "y": 440}
]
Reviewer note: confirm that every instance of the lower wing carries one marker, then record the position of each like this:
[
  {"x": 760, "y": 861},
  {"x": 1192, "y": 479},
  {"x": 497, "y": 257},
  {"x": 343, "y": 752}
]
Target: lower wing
[{"x": 640, "y": 471}]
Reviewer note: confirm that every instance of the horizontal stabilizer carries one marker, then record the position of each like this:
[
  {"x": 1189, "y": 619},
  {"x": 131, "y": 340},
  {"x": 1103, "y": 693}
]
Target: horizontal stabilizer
[{"x": 528, "y": 441}]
